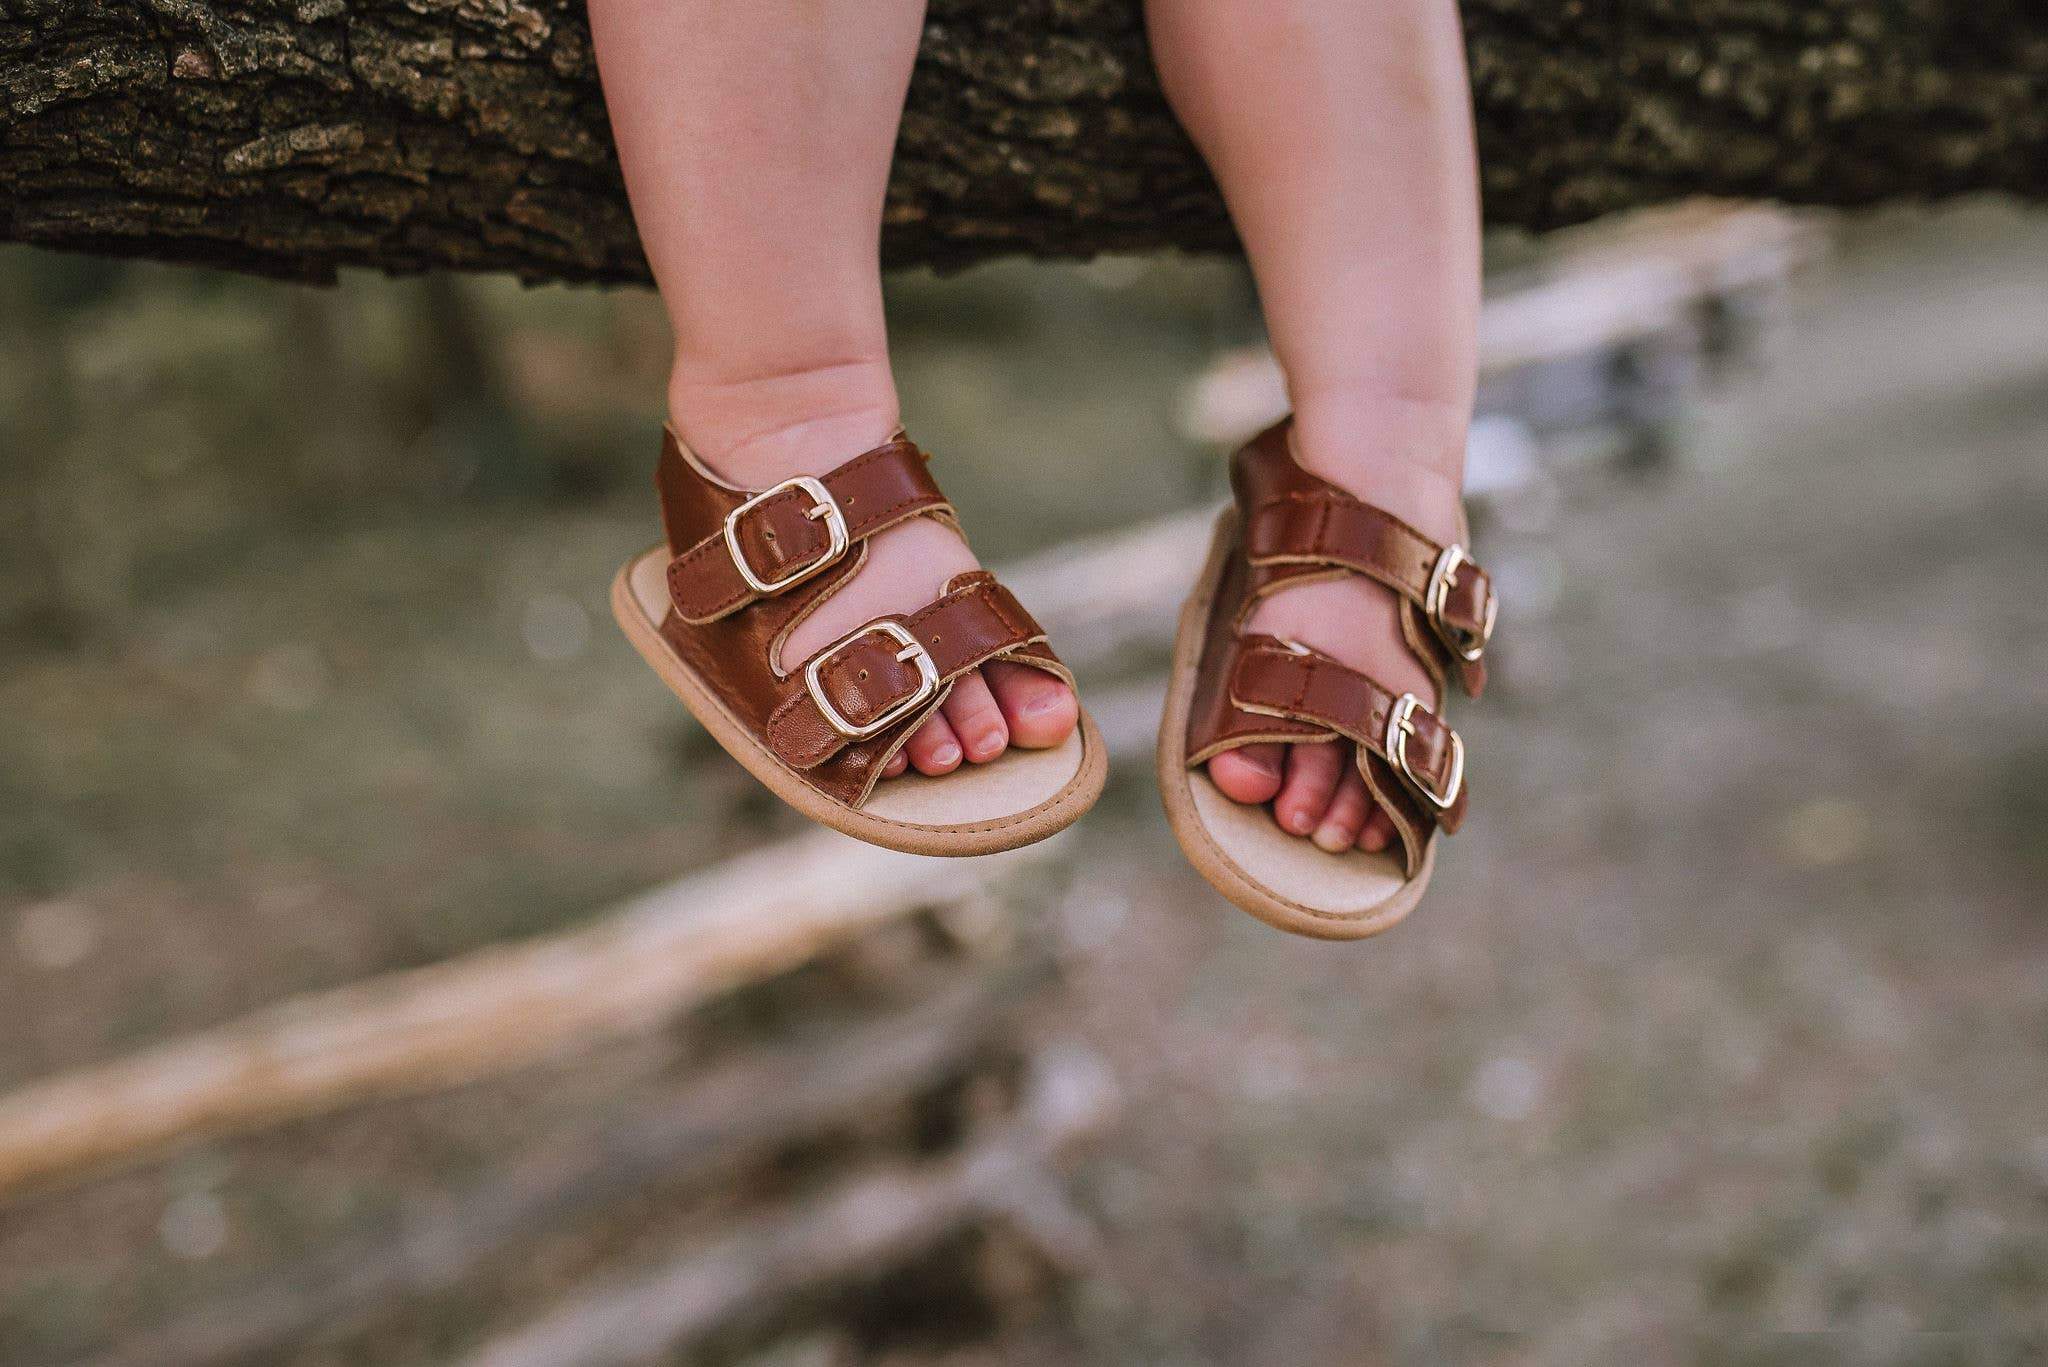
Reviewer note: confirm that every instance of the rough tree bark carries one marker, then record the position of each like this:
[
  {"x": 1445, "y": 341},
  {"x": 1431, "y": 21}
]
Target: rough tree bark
[{"x": 290, "y": 137}]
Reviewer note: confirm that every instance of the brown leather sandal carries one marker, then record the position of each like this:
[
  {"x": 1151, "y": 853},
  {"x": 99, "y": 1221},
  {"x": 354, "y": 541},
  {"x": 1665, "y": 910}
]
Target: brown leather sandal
[
  {"x": 1230, "y": 689},
  {"x": 710, "y": 611}
]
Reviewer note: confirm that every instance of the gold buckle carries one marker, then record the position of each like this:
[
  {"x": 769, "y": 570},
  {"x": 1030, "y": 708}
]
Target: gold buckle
[
  {"x": 1466, "y": 645},
  {"x": 913, "y": 649},
  {"x": 823, "y": 505},
  {"x": 1400, "y": 726}
]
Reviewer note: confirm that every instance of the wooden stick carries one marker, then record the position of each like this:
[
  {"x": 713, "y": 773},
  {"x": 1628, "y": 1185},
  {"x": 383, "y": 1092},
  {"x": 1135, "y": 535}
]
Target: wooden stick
[
  {"x": 1103, "y": 595},
  {"x": 486, "y": 1012},
  {"x": 1603, "y": 286},
  {"x": 862, "y": 1225},
  {"x": 629, "y": 970},
  {"x": 756, "y": 1104}
]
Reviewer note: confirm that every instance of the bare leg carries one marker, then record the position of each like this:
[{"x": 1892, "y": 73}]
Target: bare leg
[
  {"x": 756, "y": 141},
  {"x": 1341, "y": 134}
]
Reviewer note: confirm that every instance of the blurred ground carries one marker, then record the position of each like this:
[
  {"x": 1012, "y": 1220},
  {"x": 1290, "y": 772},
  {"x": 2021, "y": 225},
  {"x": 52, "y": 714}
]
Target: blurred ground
[{"x": 1721, "y": 1039}]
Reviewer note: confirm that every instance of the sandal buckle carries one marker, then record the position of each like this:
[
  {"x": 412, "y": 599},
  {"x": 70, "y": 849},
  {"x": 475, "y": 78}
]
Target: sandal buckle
[
  {"x": 1466, "y": 645},
  {"x": 912, "y": 651},
  {"x": 823, "y": 506},
  {"x": 1400, "y": 726}
]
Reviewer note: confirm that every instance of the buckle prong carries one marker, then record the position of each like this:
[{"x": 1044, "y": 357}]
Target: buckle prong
[
  {"x": 823, "y": 505},
  {"x": 913, "y": 649},
  {"x": 1400, "y": 726}
]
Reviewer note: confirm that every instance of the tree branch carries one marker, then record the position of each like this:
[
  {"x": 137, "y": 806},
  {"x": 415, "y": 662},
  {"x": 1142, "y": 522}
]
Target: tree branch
[{"x": 292, "y": 137}]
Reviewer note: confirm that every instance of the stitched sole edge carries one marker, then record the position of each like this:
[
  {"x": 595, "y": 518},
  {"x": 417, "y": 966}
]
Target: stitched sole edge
[
  {"x": 1027, "y": 827},
  {"x": 1221, "y": 871}
]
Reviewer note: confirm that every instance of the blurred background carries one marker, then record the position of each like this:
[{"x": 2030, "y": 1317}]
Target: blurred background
[{"x": 1722, "y": 1038}]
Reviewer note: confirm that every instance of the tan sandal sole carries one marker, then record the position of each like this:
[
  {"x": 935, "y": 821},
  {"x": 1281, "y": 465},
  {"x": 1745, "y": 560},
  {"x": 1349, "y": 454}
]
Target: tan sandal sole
[
  {"x": 1283, "y": 880},
  {"x": 1021, "y": 797}
]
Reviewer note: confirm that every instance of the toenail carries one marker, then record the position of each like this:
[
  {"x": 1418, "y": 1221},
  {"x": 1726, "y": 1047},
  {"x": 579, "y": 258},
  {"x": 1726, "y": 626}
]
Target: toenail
[
  {"x": 1298, "y": 822},
  {"x": 1331, "y": 839},
  {"x": 948, "y": 753}
]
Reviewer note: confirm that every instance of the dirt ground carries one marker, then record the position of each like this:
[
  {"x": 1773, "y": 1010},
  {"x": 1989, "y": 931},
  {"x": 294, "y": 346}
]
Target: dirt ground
[
  {"x": 1723, "y": 1037},
  {"x": 1720, "y": 1041}
]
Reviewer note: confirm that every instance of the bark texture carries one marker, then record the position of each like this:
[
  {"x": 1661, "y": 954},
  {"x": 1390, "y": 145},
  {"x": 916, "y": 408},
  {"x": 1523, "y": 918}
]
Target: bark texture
[{"x": 291, "y": 137}]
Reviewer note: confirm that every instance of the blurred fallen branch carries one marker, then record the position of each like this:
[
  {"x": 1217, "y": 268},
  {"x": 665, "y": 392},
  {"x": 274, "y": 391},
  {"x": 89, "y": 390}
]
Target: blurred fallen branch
[
  {"x": 1105, "y": 594},
  {"x": 486, "y": 1012},
  {"x": 754, "y": 1105},
  {"x": 1618, "y": 282},
  {"x": 858, "y": 1227},
  {"x": 626, "y": 971},
  {"x": 1602, "y": 288}
]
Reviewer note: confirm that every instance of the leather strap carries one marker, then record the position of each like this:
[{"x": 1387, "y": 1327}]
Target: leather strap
[
  {"x": 781, "y": 538},
  {"x": 864, "y": 678},
  {"x": 1252, "y": 688},
  {"x": 730, "y": 635},
  {"x": 1330, "y": 527},
  {"x": 1275, "y": 678}
]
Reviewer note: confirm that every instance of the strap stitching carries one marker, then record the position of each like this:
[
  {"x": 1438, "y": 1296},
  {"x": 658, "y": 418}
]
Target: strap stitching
[
  {"x": 777, "y": 718},
  {"x": 1371, "y": 745},
  {"x": 685, "y": 562},
  {"x": 1308, "y": 667},
  {"x": 1245, "y": 654},
  {"x": 1413, "y": 573},
  {"x": 717, "y": 538},
  {"x": 981, "y": 590},
  {"x": 1308, "y": 674},
  {"x": 1328, "y": 501},
  {"x": 897, "y": 506}
]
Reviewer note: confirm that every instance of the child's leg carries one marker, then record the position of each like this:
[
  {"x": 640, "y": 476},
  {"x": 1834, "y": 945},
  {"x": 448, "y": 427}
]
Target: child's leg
[
  {"x": 1341, "y": 135},
  {"x": 756, "y": 140}
]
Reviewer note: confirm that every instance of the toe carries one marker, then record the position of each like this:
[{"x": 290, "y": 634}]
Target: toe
[
  {"x": 934, "y": 749},
  {"x": 1249, "y": 774},
  {"x": 976, "y": 719},
  {"x": 898, "y": 762},
  {"x": 1349, "y": 807},
  {"x": 1312, "y": 774},
  {"x": 1039, "y": 707},
  {"x": 1378, "y": 832}
]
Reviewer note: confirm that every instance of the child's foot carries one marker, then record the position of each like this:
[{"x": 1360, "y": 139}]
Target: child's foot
[
  {"x": 1316, "y": 790},
  {"x": 989, "y": 709}
]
